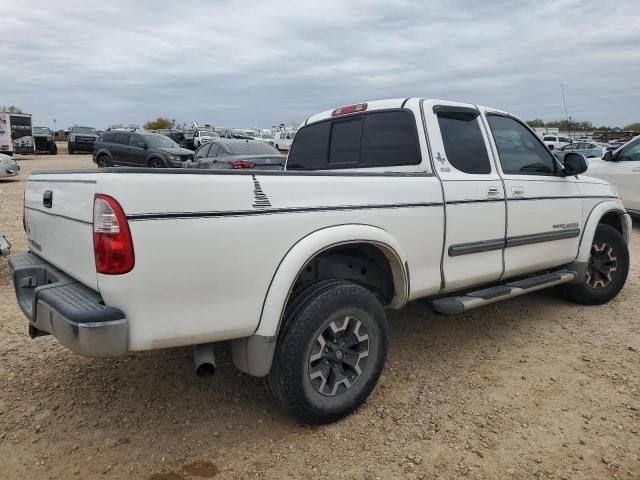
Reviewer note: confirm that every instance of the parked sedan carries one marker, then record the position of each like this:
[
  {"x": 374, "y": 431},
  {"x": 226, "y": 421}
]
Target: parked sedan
[
  {"x": 588, "y": 149},
  {"x": 8, "y": 166},
  {"x": 235, "y": 153},
  {"x": 139, "y": 150},
  {"x": 622, "y": 169}
]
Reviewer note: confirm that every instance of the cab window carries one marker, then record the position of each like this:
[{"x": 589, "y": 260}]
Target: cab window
[
  {"x": 520, "y": 151},
  {"x": 463, "y": 142}
]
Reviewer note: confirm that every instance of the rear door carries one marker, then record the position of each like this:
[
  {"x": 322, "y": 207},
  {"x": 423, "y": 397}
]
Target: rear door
[
  {"x": 120, "y": 148},
  {"x": 136, "y": 155},
  {"x": 544, "y": 208},
  {"x": 473, "y": 192},
  {"x": 59, "y": 222}
]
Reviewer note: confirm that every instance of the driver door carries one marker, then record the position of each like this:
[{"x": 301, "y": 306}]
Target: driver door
[{"x": 544, "y": 210}]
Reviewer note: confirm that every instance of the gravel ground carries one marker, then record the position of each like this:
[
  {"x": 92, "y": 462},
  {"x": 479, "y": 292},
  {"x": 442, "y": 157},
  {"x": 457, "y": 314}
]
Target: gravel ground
[{"x": 529, "y": 388}]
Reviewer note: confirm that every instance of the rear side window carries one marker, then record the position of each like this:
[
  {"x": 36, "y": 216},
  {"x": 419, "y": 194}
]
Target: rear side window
[
  {"x": 375, "y": 139},
  {"x": 310, "y": 150},
  {"x": 463, "y": 142},
  {"x": 519, "y": 150},
  {"x": 549, "y": 139},
  {"x": 122, "y": 138},
  {"x": 108, "y": 137}
]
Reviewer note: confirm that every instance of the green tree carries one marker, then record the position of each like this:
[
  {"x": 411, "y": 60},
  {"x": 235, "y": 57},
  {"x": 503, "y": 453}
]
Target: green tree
[
  {"x": 11, "y": 109},
  {"x": 633, "y": 127},
  {"x": 536, "y": 123},
  {"x": 160, "y": 122}
]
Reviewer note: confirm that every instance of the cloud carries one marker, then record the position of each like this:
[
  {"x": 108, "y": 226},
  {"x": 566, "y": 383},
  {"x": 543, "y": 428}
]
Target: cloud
[{"x": 254, "y": 63}]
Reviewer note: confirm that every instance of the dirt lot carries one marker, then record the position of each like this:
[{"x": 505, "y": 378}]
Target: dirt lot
[{"x": 530, "y": 388}]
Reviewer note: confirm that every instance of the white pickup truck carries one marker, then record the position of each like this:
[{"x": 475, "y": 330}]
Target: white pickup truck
[{"x": 380, "y": 203}]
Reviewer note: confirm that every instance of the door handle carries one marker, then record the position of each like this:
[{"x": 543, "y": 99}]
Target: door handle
[
  {"x": 493, "y": 191},
  {"x": 517, "y": 191}
]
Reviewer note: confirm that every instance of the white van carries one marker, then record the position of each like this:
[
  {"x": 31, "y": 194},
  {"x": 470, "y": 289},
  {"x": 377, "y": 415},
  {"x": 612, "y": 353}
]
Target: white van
[{"x": 282, "y": 139}]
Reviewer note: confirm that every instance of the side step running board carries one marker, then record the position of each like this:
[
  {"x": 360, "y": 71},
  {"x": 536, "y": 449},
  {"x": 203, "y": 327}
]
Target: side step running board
[{"x": 459, "y": 304}]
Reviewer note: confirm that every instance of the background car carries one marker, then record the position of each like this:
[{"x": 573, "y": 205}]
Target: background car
[
  {"x": 81, "y": 139},
  {"x": 8, "y": 166},
  {"x": 44, "y": 140},
  {"x": 200, "y": 137},
  {"x": 588, "y": 149},
  {"x": 139, "y": 150},
  {"x": 622, "y": 169},
  {"x": 236, "y": 153},
  {"x": 553, "y": 142}
]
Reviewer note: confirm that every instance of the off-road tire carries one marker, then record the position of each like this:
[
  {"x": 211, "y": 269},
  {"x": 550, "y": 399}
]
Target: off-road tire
[
  {"x": 601, "y": 289},
  {"x": 321, "y": 308}
]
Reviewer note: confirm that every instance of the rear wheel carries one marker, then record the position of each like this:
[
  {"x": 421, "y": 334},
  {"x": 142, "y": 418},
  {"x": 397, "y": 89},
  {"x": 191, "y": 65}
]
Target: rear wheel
[
  {"x": 71, "y": 150},
  {"x": 330, "y": 353},
  {"x": 103, "y": 161},
  {"x": 53, "y": 149},
  {"x": 607, "y": 269}
]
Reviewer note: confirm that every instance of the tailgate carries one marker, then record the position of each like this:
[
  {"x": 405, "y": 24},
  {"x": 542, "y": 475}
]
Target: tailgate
[{"x": 59, "y": 220}]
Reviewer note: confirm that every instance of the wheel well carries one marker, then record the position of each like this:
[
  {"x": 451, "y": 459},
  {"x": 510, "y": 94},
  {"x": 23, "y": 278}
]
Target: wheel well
[
  {"x": 361, "y": 263},
  {"x": 613, "y": 220}
]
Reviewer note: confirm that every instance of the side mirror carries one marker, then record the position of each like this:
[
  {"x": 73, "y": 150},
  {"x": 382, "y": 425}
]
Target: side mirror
[
  {"x": 142, "y": 145},
  {"x": 608, "y": 156},
  {"x": 574, "y": 164}
]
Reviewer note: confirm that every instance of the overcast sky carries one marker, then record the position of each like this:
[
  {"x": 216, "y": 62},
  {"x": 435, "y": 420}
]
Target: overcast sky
[{"x": 258, "y": 63}]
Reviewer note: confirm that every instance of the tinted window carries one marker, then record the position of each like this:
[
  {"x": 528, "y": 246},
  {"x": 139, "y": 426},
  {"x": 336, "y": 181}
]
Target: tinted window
[
  {"x": 564, "y": 139},
  {"x": 375, "y": 139},
  {"x": 159, "y": 141},
  {"x": 122, "y": 138},
  {"x": 463, "y": 142},
  {"x": 390, "y": 138},
  {"x": 346, "y": 136},
  {"x": 133, "y": 141},
  {"x": 108, "y": 137},
  {"x": 214, "y": 150},
  {"x": 202, "y": 151},
  {"x": 310, "y": 149},
  {"x": 549, "y": 139},
  {"x": 519, "y": 150},
  {"x": 250, "y": 147}
]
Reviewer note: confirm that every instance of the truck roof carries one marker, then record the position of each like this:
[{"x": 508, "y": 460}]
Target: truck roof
[{"x": 385, "y": 104}]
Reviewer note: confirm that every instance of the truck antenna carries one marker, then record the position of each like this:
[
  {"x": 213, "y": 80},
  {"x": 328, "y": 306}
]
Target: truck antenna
[{"x": 565, "y": 109}]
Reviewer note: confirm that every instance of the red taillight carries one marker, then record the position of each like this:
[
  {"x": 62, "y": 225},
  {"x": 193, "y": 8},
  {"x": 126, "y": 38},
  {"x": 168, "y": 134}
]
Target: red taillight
[
  {"x": 112, "y": 244},
  {"x": 240, "y": 164},
  {"x": 360, "y": 107}
]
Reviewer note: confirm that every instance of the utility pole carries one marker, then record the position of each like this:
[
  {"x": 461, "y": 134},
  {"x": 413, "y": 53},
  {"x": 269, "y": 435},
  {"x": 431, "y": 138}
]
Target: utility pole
[{"x": 566, "y": 114}]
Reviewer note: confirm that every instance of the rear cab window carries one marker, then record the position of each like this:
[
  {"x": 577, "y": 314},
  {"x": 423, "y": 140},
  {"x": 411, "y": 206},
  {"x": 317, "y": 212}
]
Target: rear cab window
[{"x": 382, "y": 138}]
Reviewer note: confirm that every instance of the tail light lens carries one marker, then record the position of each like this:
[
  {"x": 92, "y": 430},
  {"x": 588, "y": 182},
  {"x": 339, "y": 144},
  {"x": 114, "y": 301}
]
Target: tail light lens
[
  {"x": 112, "y": 244},
  {"x": 240, "y": 164}
]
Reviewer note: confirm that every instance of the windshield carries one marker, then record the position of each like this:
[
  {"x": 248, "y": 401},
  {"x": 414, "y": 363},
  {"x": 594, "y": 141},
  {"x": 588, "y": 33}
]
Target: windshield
[
  {"x": 160, "y": 141},
  {"x": 268, "y": 136},
  {"x": 207, "y": 133},
  {"x": 252, "y": 148},
  {"x": 88, "y": 130},
  {"x": 44, "y": 130}
]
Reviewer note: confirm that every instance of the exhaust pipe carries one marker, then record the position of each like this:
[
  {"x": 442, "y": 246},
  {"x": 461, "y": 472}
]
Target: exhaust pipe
[{"x": 205, "y": 359}]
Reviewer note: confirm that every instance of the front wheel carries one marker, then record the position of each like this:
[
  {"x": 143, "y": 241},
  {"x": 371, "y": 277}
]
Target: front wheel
[
  {"x": 103, "y": 161},
  {"x": 330, "y": 353},
  {"x": 156, "y": 163},
  {"x": 607, "y": 269}
]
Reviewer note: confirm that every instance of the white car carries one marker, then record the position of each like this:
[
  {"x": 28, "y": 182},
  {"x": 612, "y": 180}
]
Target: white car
[
  {"x": 553, "y": 142},
  {"x": 380, "y": 203},
  {"x": 200, "y": 137},
  {"x": 283, "y": 139},
  {"x": 8, "y": 166},
  {"x": 622, "y": 169}
]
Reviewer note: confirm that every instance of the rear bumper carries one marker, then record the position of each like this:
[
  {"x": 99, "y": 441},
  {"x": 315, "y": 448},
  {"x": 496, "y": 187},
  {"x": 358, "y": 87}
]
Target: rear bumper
[{"x": 73, "y": 313}]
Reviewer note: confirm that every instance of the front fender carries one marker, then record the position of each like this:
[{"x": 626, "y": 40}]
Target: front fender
[
  {"x": 589, "y": 230},
  {"x": 316, "y": 242}
]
